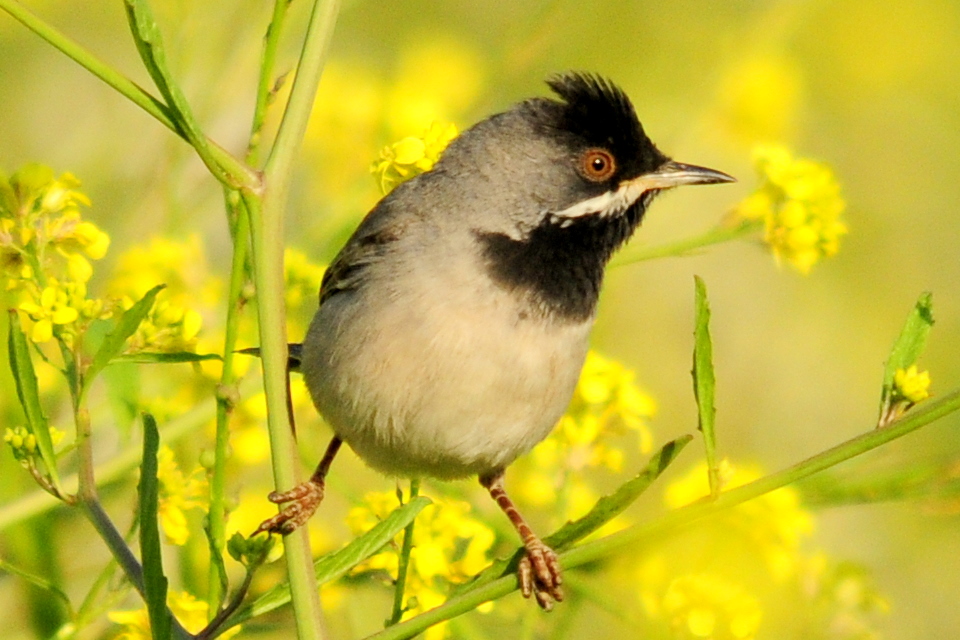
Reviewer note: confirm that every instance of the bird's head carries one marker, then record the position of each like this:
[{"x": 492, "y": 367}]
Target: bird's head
[{"x": 551, "y": 188}]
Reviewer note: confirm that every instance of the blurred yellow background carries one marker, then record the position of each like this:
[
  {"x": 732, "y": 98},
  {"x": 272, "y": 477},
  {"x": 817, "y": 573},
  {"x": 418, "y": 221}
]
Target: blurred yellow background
[{"x": 870, "y": 87}]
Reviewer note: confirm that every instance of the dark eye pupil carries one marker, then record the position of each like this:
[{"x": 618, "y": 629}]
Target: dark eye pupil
[{"x": 599, "y": 164}]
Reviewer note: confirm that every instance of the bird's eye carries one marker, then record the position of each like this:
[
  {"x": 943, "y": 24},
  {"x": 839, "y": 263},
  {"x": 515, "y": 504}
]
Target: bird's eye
[{"x": 597, "y": 165}]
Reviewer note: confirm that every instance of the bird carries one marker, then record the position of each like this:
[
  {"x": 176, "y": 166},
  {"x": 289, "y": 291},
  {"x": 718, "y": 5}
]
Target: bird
[{"x": 453, "y": 325}]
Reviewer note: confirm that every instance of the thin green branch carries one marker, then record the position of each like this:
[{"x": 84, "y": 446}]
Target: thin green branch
[
  {"x": 404, "y": 562},
  {"x": 117, "y": 468},
  {"x": 239, "y": 174},
  {"x": 226, "y": 399},
  {"x": 323, "y": 18},
  {"x": 716, "y": 235},
  {"x": 91, "y": 63},
  {"x": 265, "y": 83},
  {"x": 468, "y": 599}
]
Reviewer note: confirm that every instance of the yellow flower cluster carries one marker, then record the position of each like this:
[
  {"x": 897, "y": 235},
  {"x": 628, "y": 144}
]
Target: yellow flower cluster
[
  {"x": 411, "y": 156},
  {"x": 45, "y": 251},
  {"x": 730, "y": 577},
  {"x": 707, "y": 606},
  {"x": 449, "y": 546},
  {"x": 911, "y": 385},
  {"x": 800, "y": 205},
  {"x": 178, "y": 494},
  {"x": 24, "y": 444},
  {"x": 606, "y": 406},
  {"x": 174, "y": 322},
  {"x": 192, "y": 613},
  {"x": 774, "y": 524}
]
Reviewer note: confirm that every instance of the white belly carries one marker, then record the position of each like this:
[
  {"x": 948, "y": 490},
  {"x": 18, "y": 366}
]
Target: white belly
[{"x": 438, "y": 385}]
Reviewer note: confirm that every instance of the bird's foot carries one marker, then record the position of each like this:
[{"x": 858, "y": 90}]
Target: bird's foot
[
  {"x": 303, "y": 501},
  {"x": 539, "y": 574}
]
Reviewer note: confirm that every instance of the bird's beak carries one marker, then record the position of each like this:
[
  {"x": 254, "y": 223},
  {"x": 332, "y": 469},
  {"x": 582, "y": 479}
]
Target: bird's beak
[
  {"x": 669, "y": 174},
  {"x": 676, "y": 174}
]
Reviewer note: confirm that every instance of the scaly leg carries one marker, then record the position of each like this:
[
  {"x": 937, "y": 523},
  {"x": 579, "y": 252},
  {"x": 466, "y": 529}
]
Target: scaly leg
[
  {"x": 303, "y": 498},
  {"x": 539, "y": 570}
]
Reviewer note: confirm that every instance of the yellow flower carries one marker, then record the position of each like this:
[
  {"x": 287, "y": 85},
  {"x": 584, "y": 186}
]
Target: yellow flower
[
  {"x": 178, "y": 493},
  {"x": 192, "y": 613},
  {"x": 411, "y": 156},
  {"x": 449, "y": 546},
  {"x": 774, "y": 524},
  {"x": 56, "y": 305},
  {"x": 708, "y": 606},
  {"x": 912, "y": 385},
  {"x": 800, "y": 205}
]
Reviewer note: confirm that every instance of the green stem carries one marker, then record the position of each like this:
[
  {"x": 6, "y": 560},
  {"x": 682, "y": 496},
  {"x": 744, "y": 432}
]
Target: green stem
[
  {"x": 404, "y": 562},
  {"x": 634, "y": 537},
  {"x": 226, "y": 398},
  {"x": 297, "y": 114},
  {"x": 117, "y": 468},
  {"x": 239, "y": 174},
  {"x": 716, "y": 235},
  {"x": 265, "y": 86},
  {"x": 268, "y": 275},
  {"x": 267, "y": 233}
]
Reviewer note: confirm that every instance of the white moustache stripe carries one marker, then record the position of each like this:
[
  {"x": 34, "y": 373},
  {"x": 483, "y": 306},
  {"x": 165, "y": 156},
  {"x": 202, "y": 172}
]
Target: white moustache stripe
[{"x": 607, "y": 204}]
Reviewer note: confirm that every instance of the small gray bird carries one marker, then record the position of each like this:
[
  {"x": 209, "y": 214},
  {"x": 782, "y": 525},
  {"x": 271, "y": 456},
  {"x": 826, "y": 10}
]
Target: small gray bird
[{"x": 453, "y": 325}]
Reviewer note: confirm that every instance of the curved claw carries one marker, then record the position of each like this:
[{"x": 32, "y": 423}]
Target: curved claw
[
  {"x": 540, "y": 576},
  {"x": 304, "y": 500}
]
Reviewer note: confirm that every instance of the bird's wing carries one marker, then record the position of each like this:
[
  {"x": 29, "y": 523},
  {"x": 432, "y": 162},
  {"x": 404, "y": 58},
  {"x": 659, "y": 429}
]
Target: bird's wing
[{"x": 369, "y": 242}]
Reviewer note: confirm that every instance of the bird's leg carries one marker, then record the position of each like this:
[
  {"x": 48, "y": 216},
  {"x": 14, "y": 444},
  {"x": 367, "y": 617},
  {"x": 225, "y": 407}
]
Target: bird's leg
[
  {"x": 303, "y": 498},
  {"x": 539, "y": 570}
]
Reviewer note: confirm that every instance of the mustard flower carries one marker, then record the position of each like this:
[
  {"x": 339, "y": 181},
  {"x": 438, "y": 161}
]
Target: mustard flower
[
  {"x": 411, "y": 156},
  {"x": 178, "y": 494},
  {"x": 708, "y": 606},
  {"x": 912, "y": 385},
  {"x": 449, "y": 546},
  {"x": 775, "y": 523},
  {"x": 800, "y": 205},
  {"x": 192, "y": 613}
]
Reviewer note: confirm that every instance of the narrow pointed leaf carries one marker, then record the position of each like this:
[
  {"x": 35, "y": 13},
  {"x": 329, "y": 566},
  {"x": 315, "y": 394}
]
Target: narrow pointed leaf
[
  {"x": 149, "y": 43},
  {"x": 609, "y": 507},
  {"x": 154, "y": 581},
  {"x": 126, "y": 326},
  {"x": 25, "y": 378},
  {"x": 336, "y": 564},
  {"x": 172, "y": 357},
  {"x": 909, "y": 345},
  {"x": 704, "y": 382}
]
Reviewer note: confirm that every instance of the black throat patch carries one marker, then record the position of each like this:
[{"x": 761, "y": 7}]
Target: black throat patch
[{"x": 559, "y": 269}]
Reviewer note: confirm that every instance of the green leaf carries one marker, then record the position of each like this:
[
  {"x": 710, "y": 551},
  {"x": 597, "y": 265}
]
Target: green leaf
[
  {"x": 154, "y": 582},
  {"x": 704, "y": 381},
  {"x": 25, "y": 377},
  {"x": 333, "y": 565},
  {"x": 149, "y": 42},
  {"x": 609, "y": 507},
  {"x": 172, "y": 357},
  {"x": 126, "y": 326},
  {"x": 909, "y": 345}
]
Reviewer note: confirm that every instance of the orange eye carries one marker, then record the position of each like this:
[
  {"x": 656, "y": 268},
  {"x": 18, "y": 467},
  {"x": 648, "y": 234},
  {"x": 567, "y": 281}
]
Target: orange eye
[{"x": 597, "y": 165}]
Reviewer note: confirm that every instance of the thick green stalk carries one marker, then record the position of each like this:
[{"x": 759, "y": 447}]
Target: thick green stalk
[
  {"x": 633, "y": 537},
  {"x": 267, "y": 232}
]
